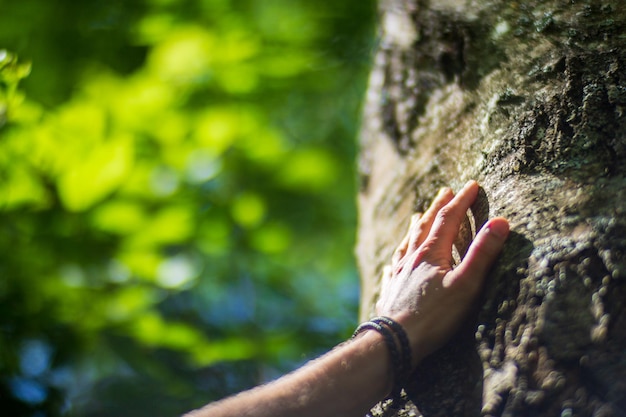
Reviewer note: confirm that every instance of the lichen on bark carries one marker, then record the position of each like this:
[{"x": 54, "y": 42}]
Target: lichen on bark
[{"x": 528, "y": 98}]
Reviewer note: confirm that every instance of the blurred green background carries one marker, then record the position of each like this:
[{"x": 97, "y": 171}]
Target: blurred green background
[{"x": 177, "y": 197}]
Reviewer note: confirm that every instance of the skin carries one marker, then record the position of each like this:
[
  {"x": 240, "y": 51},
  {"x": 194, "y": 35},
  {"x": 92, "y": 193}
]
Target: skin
[{"x": 420, "y": 290}]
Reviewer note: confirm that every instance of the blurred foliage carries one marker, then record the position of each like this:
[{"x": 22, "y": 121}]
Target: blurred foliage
[{"x": 176, "y": 197}]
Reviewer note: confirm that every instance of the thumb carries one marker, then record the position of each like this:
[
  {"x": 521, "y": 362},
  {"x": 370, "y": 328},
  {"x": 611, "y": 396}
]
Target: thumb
[{"x": 483, "y": 251}]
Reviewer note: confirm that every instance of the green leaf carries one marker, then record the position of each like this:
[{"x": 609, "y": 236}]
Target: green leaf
[{"x": 102, "y": 171}]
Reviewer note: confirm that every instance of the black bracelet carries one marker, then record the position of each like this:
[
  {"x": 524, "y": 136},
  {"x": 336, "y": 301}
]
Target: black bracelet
[
  {"x": 401, "y": 361},
  {"x": 405, "y": 346},
  {"x": 389, "y": 341}
]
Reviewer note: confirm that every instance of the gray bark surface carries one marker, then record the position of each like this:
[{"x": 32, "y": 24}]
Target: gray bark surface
[{"x": 529, "y": 98}]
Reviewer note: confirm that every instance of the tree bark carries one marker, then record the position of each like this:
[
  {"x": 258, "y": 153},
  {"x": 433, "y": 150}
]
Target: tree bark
[{"x": 529, "y": 98}]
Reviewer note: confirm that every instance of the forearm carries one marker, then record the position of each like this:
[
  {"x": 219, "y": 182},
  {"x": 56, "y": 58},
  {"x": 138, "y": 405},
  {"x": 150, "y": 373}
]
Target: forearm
[{"x": 347, "y": 381}]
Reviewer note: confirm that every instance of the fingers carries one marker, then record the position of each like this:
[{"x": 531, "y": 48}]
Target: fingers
[
  {"x": 421, "y": 224},
  {"x": 444, "y": 197},
  {"x": 483, "y": 252},
  {"x": 449, "y": 218},
  {"x": 440, "y": 225},
  {"x": 404, "y": 245}
]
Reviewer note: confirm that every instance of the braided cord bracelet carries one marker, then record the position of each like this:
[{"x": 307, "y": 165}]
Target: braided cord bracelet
[
  {"x": 400, "y": 358},
  {"x": 389, "y": 341},
  {"x": 405, "y": 346}
]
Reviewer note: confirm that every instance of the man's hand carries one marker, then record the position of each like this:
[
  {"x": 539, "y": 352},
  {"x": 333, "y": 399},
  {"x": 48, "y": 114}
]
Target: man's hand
[{"x": 420, "y": 289}]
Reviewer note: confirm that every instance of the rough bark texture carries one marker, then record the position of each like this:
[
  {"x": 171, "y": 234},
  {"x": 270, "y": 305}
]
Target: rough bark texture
[{"x": 529, "y": 98}]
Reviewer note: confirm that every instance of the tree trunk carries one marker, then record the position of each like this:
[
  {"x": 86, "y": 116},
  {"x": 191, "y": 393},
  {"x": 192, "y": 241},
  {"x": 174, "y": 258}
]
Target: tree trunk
[{"x": 529, "y": 98}]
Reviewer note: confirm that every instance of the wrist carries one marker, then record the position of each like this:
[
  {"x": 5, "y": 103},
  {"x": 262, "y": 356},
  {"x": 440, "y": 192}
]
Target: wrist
[
  {"x": 415, "y": 332},
  {"x": 398, "y": 348},
  {"x": 372, "y": 344}
]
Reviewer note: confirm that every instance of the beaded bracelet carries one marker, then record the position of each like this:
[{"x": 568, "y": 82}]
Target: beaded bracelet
[{"x": 400, "y": 361}]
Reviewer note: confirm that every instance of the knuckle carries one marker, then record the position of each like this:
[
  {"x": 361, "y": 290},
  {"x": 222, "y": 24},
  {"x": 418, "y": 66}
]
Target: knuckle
[
  {"x": 447, "y": 212},
  {"x": 417, "y": 236}
]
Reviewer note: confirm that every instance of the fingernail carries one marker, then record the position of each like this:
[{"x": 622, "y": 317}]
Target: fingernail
[
  {"x": 469, "y": 183},
  {"x": 499, "y": 229}
]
